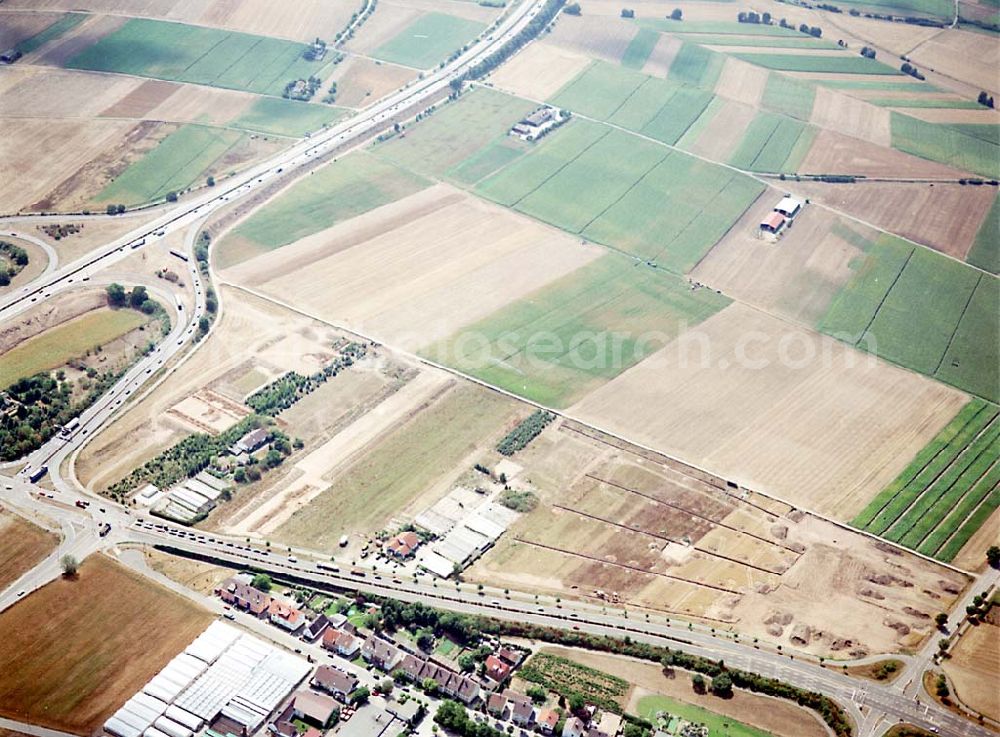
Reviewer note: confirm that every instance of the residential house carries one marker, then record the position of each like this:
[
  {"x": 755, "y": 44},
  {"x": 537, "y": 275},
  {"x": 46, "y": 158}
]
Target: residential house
[
  {"x": 242, "y": 596},
  {"x": 510, "y": 656},
  {"x": 497, "y": 669},
  {"x": 341, "y": 642},
  {"x": 547, "y": 721},
  {"x": 574, "y": 727},
  {"x": 316, "y": 628},
  {"x": 334, "y": 682},
  {"x": 411, "y": 666},
  {"x": 496, "y": 705},
  {"x": 466, "y": 690},
  {"x": 403, "y": 545},
  {"x": 287, "y": 617},
  {"x": 522, "y": 712},
  {"x": 381, "y": 654},
  {"x": 250, "y": 442},
  {"x": 315, "y": 708}
]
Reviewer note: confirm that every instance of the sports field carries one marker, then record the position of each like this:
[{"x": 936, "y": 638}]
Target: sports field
[
  {"x": 428, "y": 40},
  {"x": 75, "y": 646},
  {"x": 820, "y": 63},
  {"x": 185, "y": 53},
  {"x": 354, "y": 185},
  {"x": 580, "y": 331},
  {"x": 949, "y": 489},
  {"x": 56, "y": 346},
  {"x": 177, "y": 162},
  {"x": 286, "y": 117},
  {"x": 923, "y": 311},
  {"x": 945, "y": 144},
  {"x": 456, "y": 134}
]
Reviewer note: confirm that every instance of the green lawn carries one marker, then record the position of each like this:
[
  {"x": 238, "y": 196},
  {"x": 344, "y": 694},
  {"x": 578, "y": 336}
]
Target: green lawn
[
  {"x": 353, "y": 185},
  {"x": 428, "y": 40},
  {"x": 985, "y": 251},
  {"x": 718, "y": 725},
  {"x": 64, "y": 24},
  {"x": 186, "y": 53},
  {"x": 599, "y": 90},
  {"x": 640, "y": 48},
  {"x": 286, "y": 117},
  {"x": 845, "y": 64},
  {"x": 54, "y": 347},
  {"x": 945, "y": 144},
  {"x": 919, "y": 315},
  {"x": 456, "y": 133},
  {"x": 179, "y": 161},
  {"x": 720, "y": 27},
  {"x": 567, "y": 338},
  {"x": 972, "y": 361},
  {"x": 784, "y": 94},
  {"x": 696, "y": 65}
]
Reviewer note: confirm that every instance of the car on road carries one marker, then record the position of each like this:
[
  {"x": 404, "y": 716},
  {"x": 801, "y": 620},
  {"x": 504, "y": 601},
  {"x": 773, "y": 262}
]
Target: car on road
[{"x": 20, "y": 594}]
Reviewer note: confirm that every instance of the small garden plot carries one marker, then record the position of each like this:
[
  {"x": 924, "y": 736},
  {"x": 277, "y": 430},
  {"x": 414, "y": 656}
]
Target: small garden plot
[
  {"x": 784, "y": 94},
  {"x": 428, "y": 39},
  {"x": 820, "y": 64},
  {"x": 696, "y": 65},
  {"x": 945, "y": 144},
  {"x": 286, "y": 117},
  {"x": 567, "y": 678},
  {"x": 599, "y": 90}
]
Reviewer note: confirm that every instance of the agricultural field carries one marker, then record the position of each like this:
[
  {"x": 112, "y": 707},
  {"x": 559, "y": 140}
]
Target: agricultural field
[
  {"x": 55, "y": 30},
  {"x": 945, "y": 144},
  {"x": 23, "y": 545},
  {"x": 337, "y": 192},
  {"x": 59, "y": 623},
  {"x": 428, "y": 40},
  {"x": 773, "y": 143},
  {"x": 539, "y": 70},
  {"x": 639, "y": 48},
  {"x": 661, "y": 709},
  {"x": 819, "y": 63},
  {"x": 208, "y": 56},
  {"x": 973, "y": 664},
  {"x": 402, "y": 468},
  {"x": 286, "y": 117},
  {"x": 918, "y": 309},
  {"x": 949, "y": 489},
  {"x": 54, "y": 347},
  {"x": 621, "y": 524},
  {"x": 788, "y": 95},
  {"x": 360, "y": 81},
  {"x": 984, "y": 252},
  {"x": 567, "y": 677},
  {"x": 580, "y": 331}
]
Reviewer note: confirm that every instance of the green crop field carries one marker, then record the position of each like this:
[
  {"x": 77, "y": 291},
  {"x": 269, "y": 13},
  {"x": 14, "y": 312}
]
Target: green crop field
[
  {"x": 487, "y": 161},
  {"x": 985, "y": 251},
  {"x": 939, "y": 8},
  {"x": 599, "y": 90},
  {"x": 801, "y": 41},
  {"x": 185, "y": 53},
  {"x": 429, "y": 39},
  {"x": 715, "y": 105},
  {"x": 678, "y": 114},
  {"x": 972, "y": 361},
  {"x": 286, "y": 117},
  {"x": 936, "y": 503},
  {"x": 769, "y": 142},
  {"x": 945, "y": 144},
  {"x": 455, "y": 132},
  {"x": 645, "y": 103},
  {"x": 845, "y": 64},
  {"x": 720, "y": 27},
  {"x": 353, "y": 185},
  {"x": 676, "y": 213},
  {"x": 54, "y": 347},
  {"x": 925, "y": 102},
  {"x": 887, "y": 85},
  {"x": 654, "y": 706},
  {"x": 549, "y": 156},
  {"x": 696, "y": 65},
  {"x": 640, "y": 48},
  {"x": 920, "y": 313},
  {"x": 574, "y": 334},
  {"x": 986, "y": 131},
  {"x": 177, "y": 162},
  {"x": 784, "y": 94},
  {"x": 60, "y": 27}
]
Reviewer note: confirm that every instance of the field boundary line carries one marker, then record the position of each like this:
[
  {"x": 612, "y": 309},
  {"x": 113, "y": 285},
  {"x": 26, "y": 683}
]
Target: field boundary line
[
  {"x": 958, "y": 322},
  {"x": 885, "y": 296},
  {"x": 972, "y": 511},
  {"x": 209, "y": 50},
  {"x": 631, "y": 94},
  {"x": 624, "y": 194},
  {"x": 554, "y": 174},
  {"x": 715, "y": 196}
]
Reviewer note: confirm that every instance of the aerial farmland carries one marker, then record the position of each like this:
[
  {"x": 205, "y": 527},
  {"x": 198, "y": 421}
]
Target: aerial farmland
[{"x": 586, "y": 367}]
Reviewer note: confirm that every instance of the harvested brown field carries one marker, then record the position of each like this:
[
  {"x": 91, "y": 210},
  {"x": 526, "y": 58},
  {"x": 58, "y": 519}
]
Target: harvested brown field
[
  {"x": 839, "y": 112},
  {"x": 91, "y": 233},
  {"x": 974, "y": 669},
  {"x": 777, "y": 408},
  {"x": 59, "y": 51},
  {"x": 796, "y": 277},
  {"x": 208, "y": 412},
  {"x": 742, "y": 82},
  {"x": 385, "y": 23},
  {"x": 723, "y": 133},
  {"x": 23, "y": 545},
  {"x": 968, "y": 56},
  {"x": 92, "y": 636},
  {"x": 445, "y": 259},
  {"x": 945, "y": 217},
  {"x": 43, "y": 155},
  {"x": 539, "y": 71},
  {"x": 662, "y": 56},
  {"x": 141, "y": 100},
  {"x": 361, "y": 82},
  {"x": 836, "y": 153},
  {"x": 193, "y": 574},
  {"x": 598, "y": 38},
  {"x": 618, "y": 523},
  {"x": 458, "y": 8},
  {"x": 16, "y": 27},
  {"x": 196, "y": 104},
  {"x": 898, "y": 38},
  {"x": 778, "y": 717},
  {"x": 40, "y": 92}
]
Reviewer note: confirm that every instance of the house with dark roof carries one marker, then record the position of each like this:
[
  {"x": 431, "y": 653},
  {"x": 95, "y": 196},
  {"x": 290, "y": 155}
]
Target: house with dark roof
[
  {"x": 314, "y": 708},
  {"x": 250, "y": 442},
  {"x": 510, "y": 656},
  {"x": 334, "y": 681},
  {"x": 381, "y": 654},
  {"x": 242, "y": 596},
  {"x": 316, "y": 628},
  {"x": 411, "y": 666}
]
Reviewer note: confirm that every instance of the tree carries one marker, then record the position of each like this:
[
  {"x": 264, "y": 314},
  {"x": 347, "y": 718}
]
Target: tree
[
  {"x": 537, "y": 694},
  {"x": 722, "y": 685},
  {"x": 576, "y": 702},
  {"x": 429, "y": 685},
  {"x": 137, "y": 296},
  {"x": 667, "y": 662},
  {"x": 698, "y": 683},
  {"x": 941, "y": 687},
  {"x": 941, "y": 619},
  {"x": 210, "y": 181},
  {"x": 69, "y": 565},
  {"x": 171, "y": 196},
  {"x": 261, "y": 582},
  {"x": 467, "y": 662},
  {"x": 677, "y": 14},
  {"x": 628, "y": 13},
  {"x": 572, "y": 9},
  {"x": 386, "y": 686},
  {"x": 993, "y": 556},
  {"x": 360, "y": 696},
  {"x": 203, "y": 324},
  {"x": 116, "y": 295},
  {"x": 425, "y": 640},
  {"x": 273, "y": 458}
]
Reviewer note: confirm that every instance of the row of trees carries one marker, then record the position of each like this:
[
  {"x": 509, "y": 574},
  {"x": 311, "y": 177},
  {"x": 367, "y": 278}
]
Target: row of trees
[
  {"x": 137, "y": 299},
  {"x": 288, "y": 389},
  {"x": 518, "y": 438},
  {"x": 14, "y": 260}
]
